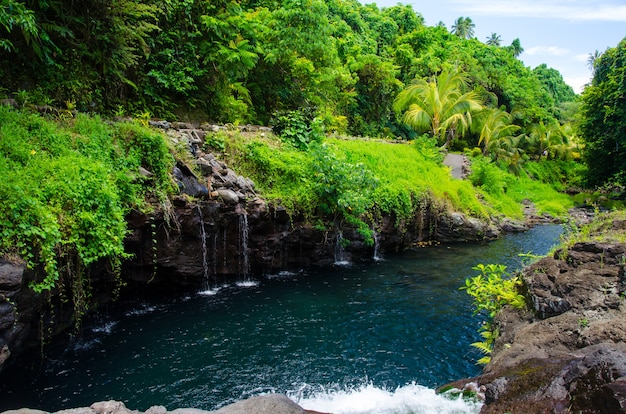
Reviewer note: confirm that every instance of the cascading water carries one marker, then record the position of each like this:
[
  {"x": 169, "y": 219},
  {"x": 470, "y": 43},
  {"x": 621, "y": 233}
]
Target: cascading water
[
  {"x": 244, "y": 259},
  {"x": 376, "y": 246},
  {"x": 205, "y": 261},
  {"x": 340, "y": 251}
]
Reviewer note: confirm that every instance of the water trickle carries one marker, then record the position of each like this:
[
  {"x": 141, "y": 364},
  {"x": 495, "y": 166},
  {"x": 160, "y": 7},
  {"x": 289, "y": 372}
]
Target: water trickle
[
  {"x": 377, "y": 255},
  {"x": 205, "y": 261},
  {"x": 244, "y": 260},
  {"x": 340, "y": 251}
]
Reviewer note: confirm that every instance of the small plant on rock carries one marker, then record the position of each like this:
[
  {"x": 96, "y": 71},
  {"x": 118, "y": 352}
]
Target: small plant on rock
[{"x": 492, "y": 290}]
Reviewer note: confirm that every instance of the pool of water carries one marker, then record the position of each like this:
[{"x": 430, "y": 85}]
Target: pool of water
[{"x": 371, "y": 337}]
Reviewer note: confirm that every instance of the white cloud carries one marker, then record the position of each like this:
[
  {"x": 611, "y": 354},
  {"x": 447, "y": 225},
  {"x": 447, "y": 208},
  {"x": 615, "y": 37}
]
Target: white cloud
[
  {"x": 581, "y": 57},
  {"x": 605, "y": 10},
  {"x": 546, "y": 50},
  {"x": 577, "y": 82}
]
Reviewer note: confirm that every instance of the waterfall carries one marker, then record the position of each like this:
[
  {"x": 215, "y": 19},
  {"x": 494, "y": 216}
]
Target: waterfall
[
  {"x": 205, "y": 261},
  {"x": 243, "y": 246},
  {"x": 340, "y": 252},
  {"x": 376, "y": 246},
  {"x": 244, "y": 254},
  {"x": 214, "y": 258}
]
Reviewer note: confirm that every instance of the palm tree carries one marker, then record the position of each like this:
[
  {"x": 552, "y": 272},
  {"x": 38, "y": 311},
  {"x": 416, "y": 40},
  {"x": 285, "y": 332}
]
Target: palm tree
[
  {"x": 494, "y": 39},
  {"x": 463, "y": 27},
  {"x": 509, "y": 149},
  {"x": 592, "y": 60},
  {"x": 516, "y": 48},
  {"x": 494, "y": 124},
  {"x": 439, "y": 106},
  {"x": 550, "y": 141}
]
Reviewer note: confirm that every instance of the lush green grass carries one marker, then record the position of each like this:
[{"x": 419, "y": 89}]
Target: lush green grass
[
  {"x": 505, "y": 191},
  {"x": 402, "y": 177},
  {"x": 408, "y": 173}
]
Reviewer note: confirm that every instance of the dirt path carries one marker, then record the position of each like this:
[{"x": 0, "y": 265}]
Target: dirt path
[{"x": 458, "y": 163}]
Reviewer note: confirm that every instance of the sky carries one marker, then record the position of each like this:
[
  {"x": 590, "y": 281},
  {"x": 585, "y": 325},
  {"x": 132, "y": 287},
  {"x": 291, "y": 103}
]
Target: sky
[{"x": 562, "y": 34}]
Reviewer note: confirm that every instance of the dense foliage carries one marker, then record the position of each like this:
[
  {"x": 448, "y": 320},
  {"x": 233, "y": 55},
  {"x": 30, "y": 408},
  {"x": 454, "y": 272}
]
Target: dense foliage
[
  {"x": 246, "y": 61},
  {"x": 603, "y": 119},
  {"x": 65, "y": 190}
]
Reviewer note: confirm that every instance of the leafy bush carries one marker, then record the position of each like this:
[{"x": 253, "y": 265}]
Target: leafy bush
[
  {"x": 65, "y": 192},
  {"x": 298, "y": 128},
  {"x": 492, "y": 289}
]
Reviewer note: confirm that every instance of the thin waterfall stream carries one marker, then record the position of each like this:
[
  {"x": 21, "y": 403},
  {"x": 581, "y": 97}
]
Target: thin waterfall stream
[
  {"x": 205, "y": 260},
  {"x": 375, "y": 337}
]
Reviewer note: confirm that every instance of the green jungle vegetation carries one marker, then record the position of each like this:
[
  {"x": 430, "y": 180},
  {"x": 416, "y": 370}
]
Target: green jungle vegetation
[{"x": 362, "y": 102}]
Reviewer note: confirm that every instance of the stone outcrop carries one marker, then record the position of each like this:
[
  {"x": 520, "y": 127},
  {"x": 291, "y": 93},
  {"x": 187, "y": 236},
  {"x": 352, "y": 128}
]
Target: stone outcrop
[
  {"x": 265, "y": 404},
  {"x": 569, "y": 353}
]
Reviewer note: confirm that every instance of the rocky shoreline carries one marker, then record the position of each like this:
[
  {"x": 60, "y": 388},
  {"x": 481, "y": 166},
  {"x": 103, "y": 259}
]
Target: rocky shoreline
[
  {"x": 265, "y": 404},
  {"x": 568, "y": 353}
]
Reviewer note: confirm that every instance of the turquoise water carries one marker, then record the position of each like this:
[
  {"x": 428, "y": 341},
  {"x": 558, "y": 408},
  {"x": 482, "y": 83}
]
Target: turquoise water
[{"x": 372, "y": 337}]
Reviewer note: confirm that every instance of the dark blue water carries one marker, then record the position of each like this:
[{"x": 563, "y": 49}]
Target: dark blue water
[{"x": 379, "y": 335}]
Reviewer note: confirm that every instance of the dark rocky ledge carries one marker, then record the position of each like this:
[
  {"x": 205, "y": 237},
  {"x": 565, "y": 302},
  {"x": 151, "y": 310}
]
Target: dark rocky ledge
[{"x": 567, "y": 355}]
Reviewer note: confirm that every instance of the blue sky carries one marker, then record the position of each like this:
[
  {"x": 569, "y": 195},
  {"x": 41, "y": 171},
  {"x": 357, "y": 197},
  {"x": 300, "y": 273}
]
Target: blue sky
[{"x": 558, "y": 33}]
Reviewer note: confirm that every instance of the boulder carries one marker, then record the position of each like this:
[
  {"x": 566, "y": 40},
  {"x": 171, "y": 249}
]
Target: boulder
[
  {"x": 229, "y": 196},
  {"x": 265, "y": 404}
]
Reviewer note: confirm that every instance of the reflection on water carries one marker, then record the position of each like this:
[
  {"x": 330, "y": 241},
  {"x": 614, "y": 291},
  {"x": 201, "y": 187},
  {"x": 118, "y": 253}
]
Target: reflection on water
[{"x": 367, "y": 338}]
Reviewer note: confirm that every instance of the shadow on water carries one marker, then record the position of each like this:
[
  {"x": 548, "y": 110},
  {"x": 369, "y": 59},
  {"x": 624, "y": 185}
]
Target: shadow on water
[{"x": 387, "y": 329}]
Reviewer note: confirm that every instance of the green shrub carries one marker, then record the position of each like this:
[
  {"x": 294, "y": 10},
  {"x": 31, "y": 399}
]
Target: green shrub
[
  {"x": 492, "y": 289},
  {"x": 65, "y": 191},
  {"x": 298, "y": 128}
]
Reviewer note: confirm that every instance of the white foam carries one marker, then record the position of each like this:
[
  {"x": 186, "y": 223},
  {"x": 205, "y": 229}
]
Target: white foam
[
  {"x": 107, "y": 328},
  {"x": 248, "y": 283},
  {"x": 209, "y": 292},
  {"x": 368, "y": 399}
]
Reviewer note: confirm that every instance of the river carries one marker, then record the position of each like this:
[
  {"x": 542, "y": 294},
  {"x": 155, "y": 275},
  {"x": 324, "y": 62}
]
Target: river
[{"x": 370, "y": 337}]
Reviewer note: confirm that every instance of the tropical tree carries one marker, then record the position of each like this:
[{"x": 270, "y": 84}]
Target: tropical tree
[
  {"x": 509, "y": 150},
  {"x": 549, "y": 141},
  {"x": 516, "y": 48},
  {"x": 494, "y": 124},
  {"x": 463, "y": 27},
  {"x": 603, "y": 119},
  {"x": 592, "y": 60},
  {"x": 494, "y": 39},
  {"x": 439, "y": 106}
]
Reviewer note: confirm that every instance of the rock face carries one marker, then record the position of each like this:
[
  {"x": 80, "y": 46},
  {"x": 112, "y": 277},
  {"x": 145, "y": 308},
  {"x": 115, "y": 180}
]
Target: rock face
[
  {"x": 20, "y": 308},
  {"x": 569, "y": 353}
]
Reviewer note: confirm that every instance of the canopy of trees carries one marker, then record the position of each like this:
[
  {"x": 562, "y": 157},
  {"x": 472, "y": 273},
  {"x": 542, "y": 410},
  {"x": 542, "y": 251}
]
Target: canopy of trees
[
  {"x": 249, "y": 60},
  {"x": 603, "y": 118}
]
